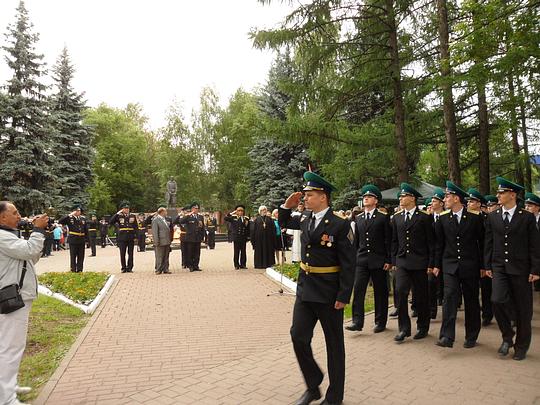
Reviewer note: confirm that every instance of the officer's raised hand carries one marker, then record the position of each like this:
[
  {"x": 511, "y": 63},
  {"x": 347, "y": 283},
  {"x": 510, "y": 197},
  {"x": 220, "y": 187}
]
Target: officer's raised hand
[{"x": 293, "y": 200}]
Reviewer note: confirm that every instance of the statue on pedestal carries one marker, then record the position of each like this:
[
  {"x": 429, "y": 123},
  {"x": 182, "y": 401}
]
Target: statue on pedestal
[{"x": 170, "y": 194}]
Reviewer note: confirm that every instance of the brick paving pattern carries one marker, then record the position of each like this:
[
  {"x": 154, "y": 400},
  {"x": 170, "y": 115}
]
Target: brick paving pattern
[{"x": 214, "y": 337}]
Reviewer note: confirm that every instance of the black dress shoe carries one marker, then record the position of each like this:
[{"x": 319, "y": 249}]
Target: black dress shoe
[
  {"x": 354, "y": 326},
  {"x": 444, "y": 342},
  {"x": 400, "y": 337},
  {"x": 167, "y": 272},
  {"x": 378, "y": 328},
  {"x": 520, "y": 355},
  {"x": 191, "y": 270},
  {"x": 414, "y": 314},
  {"x": 309, "y": 396},
  {"x": 158, "y": 272},
  {"x": 469, "y": 344},
  {"x": 236, "y": 268},
  {"x": 393, "y": 314},
  {"x": 420, "y": 334},
  {"x": 486, "y": 322},
  {"x": 433, "y": 315},
  {"x": 505, "y": 347},
  {"x": 243, "y": 267}
]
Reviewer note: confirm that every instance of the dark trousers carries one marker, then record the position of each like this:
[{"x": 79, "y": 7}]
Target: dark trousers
[
  {"x": 193, "y": 255},
  {"x": 126, "y": 246},
  {"x": 513, "y": 294},
  {"x": 394, "y": 289},
  {"x": 92, "y": 240},
  {"x": 240, "y": 258},
  {"x": 47, "y": 247},
  {"x": 183, "y": 253},
  {"x": 453, "y": 287},
  {"x": 141, "y": 239},
  {"x": 486, "y": 288},
  {"x": 211, "y": 239},
  {"x": 103, "y": 241},
  {"x": 433, "y": 289},
  {"x": 76, "y": 255},
  {"x": 440, "y": 292},
  {"x": 56, "y": 245},
  {"x": 379, "y": 278},
  {"x": 305, "y": 317},
  {"x": 418, "y": 280}
]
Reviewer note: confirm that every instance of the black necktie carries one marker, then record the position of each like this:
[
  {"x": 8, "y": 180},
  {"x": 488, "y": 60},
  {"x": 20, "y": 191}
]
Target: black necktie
[
  {"x": 407, "y": 218},
  {"x": 506, "y": 218},
  {"x": 312, "y": 224},
  {"x": 456, "y": 220},
  {"x": 368, "y": 216}
]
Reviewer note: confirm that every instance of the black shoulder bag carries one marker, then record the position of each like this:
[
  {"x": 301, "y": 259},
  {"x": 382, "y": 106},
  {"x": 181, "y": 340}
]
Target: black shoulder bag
[{"x": 10, "y": 296}]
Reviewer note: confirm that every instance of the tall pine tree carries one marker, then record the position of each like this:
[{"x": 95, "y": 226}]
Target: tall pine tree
[
  {"x": 74, "y": 153},
  {"x": 27, "y": 175}
]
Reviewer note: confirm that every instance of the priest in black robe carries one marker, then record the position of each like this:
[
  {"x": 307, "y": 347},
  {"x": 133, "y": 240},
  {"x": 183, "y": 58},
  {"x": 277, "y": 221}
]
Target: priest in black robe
[{"x": 263, "y": 235}]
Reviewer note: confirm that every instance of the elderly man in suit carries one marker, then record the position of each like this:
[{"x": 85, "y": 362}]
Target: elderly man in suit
[{"x": 161, "y": 232}]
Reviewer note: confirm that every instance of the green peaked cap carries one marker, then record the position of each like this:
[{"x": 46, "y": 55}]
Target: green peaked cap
[
  {"x": 370, "y": 189},
  {"x": 452, "y": 188},
  {"x": 507, "y": 185},
  {"x": 531, "y": 198},
  {"x": 407, "y": 189},
  {"x": 316, "y": 182},
  {"x": 474, "y": 194},
  {"x": 438, "y": 193}
]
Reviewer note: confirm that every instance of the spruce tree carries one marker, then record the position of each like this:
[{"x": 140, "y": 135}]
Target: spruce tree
[
  {"x": 73, "y": 152},
  {"x": 27, "y": 175}
]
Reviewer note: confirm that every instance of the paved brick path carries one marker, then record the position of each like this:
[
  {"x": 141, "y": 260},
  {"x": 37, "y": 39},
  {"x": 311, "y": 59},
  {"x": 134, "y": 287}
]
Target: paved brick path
[{"x": 215, "y": 337}]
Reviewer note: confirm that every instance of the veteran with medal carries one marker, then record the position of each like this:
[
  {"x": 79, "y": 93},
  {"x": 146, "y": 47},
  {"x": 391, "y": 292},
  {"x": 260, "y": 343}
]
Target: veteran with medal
[
  {"x": 126, "y": 233},
  {"x": 324, "y": 285}
]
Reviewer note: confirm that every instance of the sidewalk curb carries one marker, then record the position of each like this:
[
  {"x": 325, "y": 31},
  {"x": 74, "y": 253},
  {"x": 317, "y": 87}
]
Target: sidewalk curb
[
  {"x": 276, "y": 276},
  {"x": 51, "y": 384}
]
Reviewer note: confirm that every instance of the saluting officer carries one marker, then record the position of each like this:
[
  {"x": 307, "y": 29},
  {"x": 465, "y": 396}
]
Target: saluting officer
[
  {"x": 92, "y": 225},
  {"x": 211, "y": 226},
  {"x": 412, "y": 252},
  {"x": 435, "y": 281},
  {"x": 373, "y": 259},
  {"x": 103, "y": 231},
  {"x": 125, "y": 236},
  {"x": 459, "y": 253},
  {"x": 240, "y": 235},
  {"x": 78, "y": 230},
  {"x": 194, "y": 225},
  {"x": 512, "y": 258},
  {"x": 324, "y": 285},
  {"x": 141, "y": 234}
]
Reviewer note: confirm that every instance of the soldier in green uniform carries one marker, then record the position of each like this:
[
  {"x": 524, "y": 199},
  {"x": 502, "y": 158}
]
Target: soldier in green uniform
[
  {"x": 211, "y": 226},
  {"x": 324, "y": 285},
  {"x": 435, "y": 282},
  {"x": 126, "y": 234},
  {"x": 532, "y": 204},
  {"x": 77, "y": 231},
  {"x": 92, "y": 232},
  {"x": 492, "y": 203}
]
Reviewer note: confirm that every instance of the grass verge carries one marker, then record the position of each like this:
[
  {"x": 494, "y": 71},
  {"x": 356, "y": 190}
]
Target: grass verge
[{"x": 79, "y": 287}]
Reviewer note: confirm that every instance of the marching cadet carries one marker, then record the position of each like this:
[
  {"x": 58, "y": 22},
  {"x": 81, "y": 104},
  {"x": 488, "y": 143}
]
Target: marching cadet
[
  {"x": 92, "y": 232},
  {"x": 459, "y": 254},
  {"x": 103, "y": 231},
  {"x": 373, "y": 259},
  {"x": 194, "y": 224},
  {"x": 77, "y": 231},
  {"x": 532, "y": 204},
  {"x": 435, "y": 281},
  {"x": 512, "y": 259},
  {"x": 324, "y": 285},
  {"x": 240, "y": 235},
  {"x": 475, "y": 200},
  {"x": 141, "y": 234},
  {"x": 211, "y": 226},
  {"x": 125, "y": 236},
  {"x": 412, "y": 253}
]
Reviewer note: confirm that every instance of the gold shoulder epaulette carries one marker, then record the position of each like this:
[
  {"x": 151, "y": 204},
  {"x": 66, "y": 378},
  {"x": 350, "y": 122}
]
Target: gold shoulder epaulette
[
  {"x": 445, "y": 212},
  {"x": 337, "y": 214},
  {"x": 473, "y": 212},
  {"x": 382, "y": 212},
  {"x": 424, "y": 212}
]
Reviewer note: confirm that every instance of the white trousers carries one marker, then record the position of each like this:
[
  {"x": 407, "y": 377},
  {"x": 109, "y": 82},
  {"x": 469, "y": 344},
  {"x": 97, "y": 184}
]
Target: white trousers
[{"x": 13, "y": 330}]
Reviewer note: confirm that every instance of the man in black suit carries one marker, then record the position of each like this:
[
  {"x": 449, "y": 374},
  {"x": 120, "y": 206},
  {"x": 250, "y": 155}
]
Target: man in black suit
[
  {"x": 459, "y": 253},
  {"x": 412, "y": 254},
  {"x": 373, "y": 244},
  {"x": 194, "y": 225},
  {"x": 324, "y": 285},
  {"x": 435, "y": 282},
  {"x": 240, "y": 235},
  {"x": 512, "y": 257}
]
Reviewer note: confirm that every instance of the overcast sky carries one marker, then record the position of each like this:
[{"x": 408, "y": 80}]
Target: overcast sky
[{"x": 151, "y": 52}]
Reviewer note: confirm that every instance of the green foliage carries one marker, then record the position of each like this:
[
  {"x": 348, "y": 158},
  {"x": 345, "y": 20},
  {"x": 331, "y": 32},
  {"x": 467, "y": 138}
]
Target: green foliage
[{"x": 79, "y": 287}]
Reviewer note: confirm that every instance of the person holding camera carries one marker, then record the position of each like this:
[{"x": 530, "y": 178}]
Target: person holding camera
[{"x": 18, "y": 288}]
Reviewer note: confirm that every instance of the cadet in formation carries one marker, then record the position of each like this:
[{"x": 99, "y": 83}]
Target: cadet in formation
[
  {"x": 78, "y": 231},
  {"x": 92, "y": 232},
  {"x": 127, "y": 228}
]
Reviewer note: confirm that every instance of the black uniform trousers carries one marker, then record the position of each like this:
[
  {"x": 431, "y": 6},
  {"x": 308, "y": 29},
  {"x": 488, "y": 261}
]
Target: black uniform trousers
[
  {"x": 512, "y": 297},
  {"x": 47, "y": 246},
  {"x": 92, "y": 240},
  {"x": 416, "y": 279},
  {"x": 76, "y": 255},
  {"x": 433, "y": 288},
  {"x": 193, "y": 255},
  {"x": 126, "y": 246},
  {"x": 380, "y": 290},
  {"x": 486, "y": 288},
  {"x": 454, "y": 286},
  {"x": 211, "y": 239},
  {"x": 103, "y": 241},
  {"x": 141, "y": 239},
  {"x": 305, "y": 317},
  {"x": 240, "y": 258}
]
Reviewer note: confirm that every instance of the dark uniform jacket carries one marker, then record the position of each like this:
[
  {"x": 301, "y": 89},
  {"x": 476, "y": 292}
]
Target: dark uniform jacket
[
  {"x": 317, "y": 252},
  {"x": 373, "y": 240},
  {"x": 77, "y": 228},
  {"x": 103, "y": 228},
  {"x": 412, "y": 243},
  {"x": 49, "y": 230},
  {"x": 514, "y": 252},
  {"x": 92, "y": 228},
  {"x": 460, "y": 247},
  {"x": 194, "y": 226},
  {"x": 127, "y": 226},
  {"x": 239, "y": 227},
  {"x": 211, "y": 224}
]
